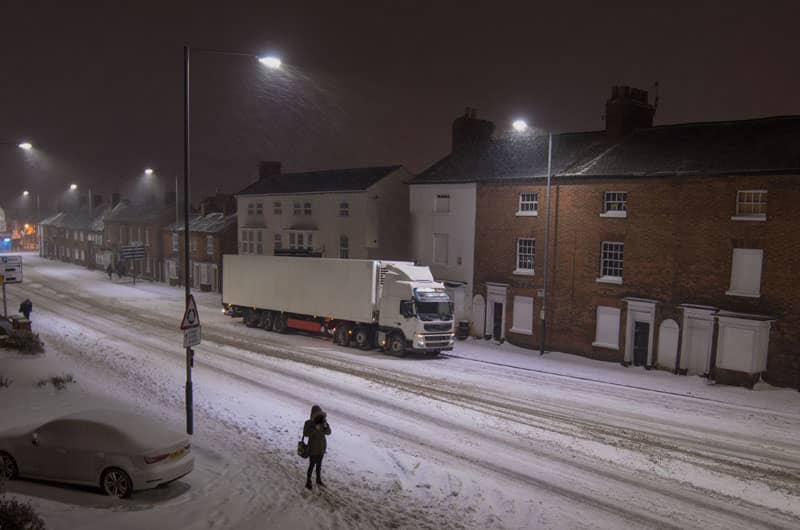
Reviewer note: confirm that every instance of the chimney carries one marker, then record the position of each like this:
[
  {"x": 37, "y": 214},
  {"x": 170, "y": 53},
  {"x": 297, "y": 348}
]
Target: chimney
[
  {"x": 627, "y": 109},
  {"x": 114, "y": 199},
  {"x": 468, "y": 130},
  {"x": 268, "y": 169}
]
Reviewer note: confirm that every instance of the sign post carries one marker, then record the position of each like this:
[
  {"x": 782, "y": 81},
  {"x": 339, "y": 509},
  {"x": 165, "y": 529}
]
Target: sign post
[{"x": 191, "y": 337}]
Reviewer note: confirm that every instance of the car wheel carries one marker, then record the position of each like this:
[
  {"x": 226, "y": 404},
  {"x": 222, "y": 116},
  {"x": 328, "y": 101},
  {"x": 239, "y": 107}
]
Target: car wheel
[
  {"x": 116, "y": 483},
  {"x": 8, "y": 467}
]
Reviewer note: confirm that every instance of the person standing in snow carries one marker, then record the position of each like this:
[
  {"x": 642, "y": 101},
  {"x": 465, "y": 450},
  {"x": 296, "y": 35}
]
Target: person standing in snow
[
  {"x": 316, "y": 428},
  {"x": 26, "y": 307},
  {"x": 109, "y": 270}
]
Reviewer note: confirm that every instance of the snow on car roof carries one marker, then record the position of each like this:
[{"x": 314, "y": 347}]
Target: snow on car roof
[{"x": 140, "y": 430}]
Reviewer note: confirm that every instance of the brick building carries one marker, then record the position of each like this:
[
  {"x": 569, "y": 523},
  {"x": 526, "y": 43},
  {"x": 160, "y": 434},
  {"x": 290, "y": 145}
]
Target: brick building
[
  {"x": 73, "y": 235},
  {"x": 210, "y": 237},
  {"x": 670, "y": 246}
]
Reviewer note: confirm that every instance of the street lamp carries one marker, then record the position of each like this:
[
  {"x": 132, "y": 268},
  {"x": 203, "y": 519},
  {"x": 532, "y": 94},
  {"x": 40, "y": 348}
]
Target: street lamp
[
  {"x": 521, "y": 127},
  {"x": 148, "y": 171},
  {"x": 271, "y": 62},
  {"x": 27, "y": 146},
  {"x": 73, "y": 187}
]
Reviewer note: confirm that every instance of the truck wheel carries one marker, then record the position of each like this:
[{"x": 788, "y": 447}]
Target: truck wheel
[
  {"x": 279, "y": 323},
  {"x": 250, "y": 318},
  {"x": 397, "y": 345},
  {"x": 343, "y": 335},
  {"x": 363, "y": 338},
  {"x": 267, "y": 320}
]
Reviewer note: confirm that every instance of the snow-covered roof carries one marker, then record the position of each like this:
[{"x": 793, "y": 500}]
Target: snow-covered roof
[
  {"x": 210, "y": 223},
  {"x": 83, "y": 219},
  {"x": 351, "y": 179}
]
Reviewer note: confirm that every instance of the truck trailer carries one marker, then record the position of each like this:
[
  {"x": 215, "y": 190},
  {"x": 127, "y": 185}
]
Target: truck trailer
[{"x": 395, "y": 306}]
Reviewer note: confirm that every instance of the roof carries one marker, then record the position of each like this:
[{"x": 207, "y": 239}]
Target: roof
[
  {"x": 82, "y": 219},
  {"x": 210, "y": 223},
  {"x": 330, "y": 180},
  {"x": 766, "y": 145},
  {"x": 136, "y": 213},
  {"x": 514, "y": 158}
]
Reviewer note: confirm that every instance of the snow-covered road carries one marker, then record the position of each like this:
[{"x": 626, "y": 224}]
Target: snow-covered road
[{"x": 417, "y": 442}]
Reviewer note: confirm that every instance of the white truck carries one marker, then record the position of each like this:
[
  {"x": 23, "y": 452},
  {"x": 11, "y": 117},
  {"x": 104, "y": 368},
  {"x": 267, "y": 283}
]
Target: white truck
[{"x": 395, "y": 306}]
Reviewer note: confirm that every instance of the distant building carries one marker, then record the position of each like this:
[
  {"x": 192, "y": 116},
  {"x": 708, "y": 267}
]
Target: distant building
[
  {"x": 71, "y": 235},
  {"x": 357, "y": 213},
  {"x": 210, "y": 237},
  {"x": 671, "y": 246}
]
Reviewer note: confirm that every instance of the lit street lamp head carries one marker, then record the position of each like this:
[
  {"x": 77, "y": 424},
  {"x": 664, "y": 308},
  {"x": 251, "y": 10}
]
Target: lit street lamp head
[
  {"x": 270, "y": 61},
  {"x": 148, "y": 171},
  {"x": 73, "y": 187},
  {"x": 26, "y": 145},
  {"x": 26, "y": 193},
  {"x": 520, "y": 125}
]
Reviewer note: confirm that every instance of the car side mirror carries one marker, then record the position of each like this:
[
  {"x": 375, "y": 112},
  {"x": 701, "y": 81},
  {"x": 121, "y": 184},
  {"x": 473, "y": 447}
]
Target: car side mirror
[{"x": 35, "y": 439}]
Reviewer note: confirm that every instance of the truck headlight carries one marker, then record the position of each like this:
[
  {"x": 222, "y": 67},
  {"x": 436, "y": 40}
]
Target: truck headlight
[{"x": 419, "y": 340}]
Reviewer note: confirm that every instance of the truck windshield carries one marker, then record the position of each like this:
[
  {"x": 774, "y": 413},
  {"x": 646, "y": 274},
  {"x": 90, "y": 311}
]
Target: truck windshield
[{"x": 433, "y": 304}]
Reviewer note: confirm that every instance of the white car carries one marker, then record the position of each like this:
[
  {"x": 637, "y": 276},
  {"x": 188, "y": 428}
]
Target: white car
[{"x": 118, "y": 451}]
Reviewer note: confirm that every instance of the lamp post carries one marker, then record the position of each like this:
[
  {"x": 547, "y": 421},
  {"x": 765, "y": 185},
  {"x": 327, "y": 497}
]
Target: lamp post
[
  {"x": 271, "y": 62},
  {"x": 521, "y": 127}
]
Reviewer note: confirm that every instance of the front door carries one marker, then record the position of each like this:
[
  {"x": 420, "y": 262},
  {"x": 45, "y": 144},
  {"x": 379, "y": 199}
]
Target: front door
[
  {"x": 698, "y": 346},
  {"x": 641, "y": 337},
  {"x": 497, "y": 322}
]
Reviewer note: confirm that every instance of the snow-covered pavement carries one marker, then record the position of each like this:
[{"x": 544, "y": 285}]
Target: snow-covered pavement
[{"x": 491, "y": 437}]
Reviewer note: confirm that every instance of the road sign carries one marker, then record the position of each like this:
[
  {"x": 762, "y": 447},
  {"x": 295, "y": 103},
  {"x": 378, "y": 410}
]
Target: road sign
[
  {"x": 132, "y": 252},
  {"x": 191, "y": 337},
  {"x": 11, "y": 269},
  {"x": 190, "y": 318}
]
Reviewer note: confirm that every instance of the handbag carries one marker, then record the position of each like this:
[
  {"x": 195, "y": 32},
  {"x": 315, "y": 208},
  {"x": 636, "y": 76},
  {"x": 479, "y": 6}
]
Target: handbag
[{"x": 302, "y": 449}]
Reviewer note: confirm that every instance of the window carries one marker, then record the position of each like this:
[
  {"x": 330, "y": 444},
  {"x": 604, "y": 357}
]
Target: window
[
  {"x": 528, "y": 204},
  {"x": 440, "y": 244},
  {"x": 607, "y": 330},
  {"x": 251, "y": 242},
  {"x": 193, "y": 243},
  {"x": 251, "y": 208},
  {"x": 307, "y": 208},
  {"x": 277, "y": 208},
  {"x": 442, "y": 203},
  {"x": 121, "y": 234},
  {"x": 344, "y": 209},
  {"x": 259, "y": 242},
  {"x": 81, "y": 236},
  {"x": 746, "y": 272},
  {"x": 147, "y": 237},
  {"x": 278, "y": 242},
  {"x": 297, "y": 209},
  {"x": 298, "y": 240},
  {"x": 344, "y": 247},
  {"x": 751, "y": 205},
  {"x": 523, "y": 315},
  {"x": 611, "y": 257},
  {"x": 259, "y": 208},
  {"x": 615, "y": 204},
  {"x": 174, "y": 241},
  {"x": 210, "y": 245},
  {"x": 526, "y": 256}
]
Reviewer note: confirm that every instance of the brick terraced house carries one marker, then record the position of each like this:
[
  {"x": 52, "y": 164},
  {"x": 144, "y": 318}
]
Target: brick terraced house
[{"x": 672, "y": 246}]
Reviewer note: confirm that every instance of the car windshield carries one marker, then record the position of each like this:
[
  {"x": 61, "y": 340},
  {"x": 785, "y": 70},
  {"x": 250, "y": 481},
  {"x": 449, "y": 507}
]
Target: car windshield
[{"x": 433, "y": 304}]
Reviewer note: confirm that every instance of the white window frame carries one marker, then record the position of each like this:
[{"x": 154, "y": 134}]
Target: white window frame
[
  {"x": 210, "y": 245},
  {"x": 259, "y": 208},
  {"x": 297, "y": 208},
  {"x": 147, "y": 237},
  {"x": 528, "y": 204},
  {"x": 344, "y": 209},
  {"x": 174, "y": 241},
  {"x": 608, "y": 340},
  {"x": 618, "y": 198},
  {"x": 278, "y": 242},
  {"x": 251, "y": 208},
  {"x": 738, "y": 268},
  {"x": 608, "y": 258},
  {"x": 438, "y": 258},
  {"x": 307, "y": 208},
  {"x": 277, "y": 208},
  {"x": 525, "y": 271},
  {"x": 751, "y": 200},
  {"x": 344, "y": 247},
  {"x": 441, "y": 203},
  {"x": 523, "y": 308}
]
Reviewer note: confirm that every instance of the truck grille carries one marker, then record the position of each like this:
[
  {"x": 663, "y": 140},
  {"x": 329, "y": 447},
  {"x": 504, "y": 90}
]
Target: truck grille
[
  {"x": 437, "y": 341},
  {"x": 438, "y": 327}
]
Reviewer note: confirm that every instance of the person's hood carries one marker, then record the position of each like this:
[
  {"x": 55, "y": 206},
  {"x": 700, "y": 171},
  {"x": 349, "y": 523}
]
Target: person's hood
[{"x": 317, "y": 411}]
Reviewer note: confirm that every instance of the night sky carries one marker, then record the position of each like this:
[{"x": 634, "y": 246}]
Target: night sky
[{"x": 98, "y": 89}]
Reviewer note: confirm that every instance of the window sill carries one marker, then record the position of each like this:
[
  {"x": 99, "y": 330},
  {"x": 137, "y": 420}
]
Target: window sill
[
  {"x": 605, "y": 345},
  {"x": 524, "y": 272},
  {"x": 743, "y": 294},
  {"x": 527, "y": 214},
  {"x": 609, "y": 279},
  {"x": 521, "y": 331},
  {"x": 757, "y": 218},
  {"x": 615, "y": 214}
]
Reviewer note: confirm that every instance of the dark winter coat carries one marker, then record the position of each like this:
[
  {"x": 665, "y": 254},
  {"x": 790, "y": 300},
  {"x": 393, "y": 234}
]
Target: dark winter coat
[
  {"x": 26, "y": 307},
  {"x": 316, "y": 428}
]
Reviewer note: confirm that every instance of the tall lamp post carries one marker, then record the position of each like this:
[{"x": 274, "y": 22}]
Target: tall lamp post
[
  {"x": 521, "y": 127},
  {"x": 268, "y": 61}
]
